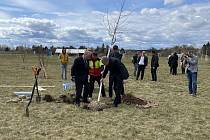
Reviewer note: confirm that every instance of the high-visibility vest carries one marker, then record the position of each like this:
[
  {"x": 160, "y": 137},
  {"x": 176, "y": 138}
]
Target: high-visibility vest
[
  {"x": 64, "y": 58},
  {"x": 94, "y": 67}
]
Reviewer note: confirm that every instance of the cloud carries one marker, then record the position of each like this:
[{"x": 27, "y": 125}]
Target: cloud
[
  {"x": 27, "y": 28},
  {"x": 44, "y": 31},
  {"x": 10, "y": 9},
  {"x": 34, "y": 5},
  {"x": 158, "y": 28},
  {"x": 173, "y": 2},
  {"x": 4, "y": 15},
  {"x": 149, "y": 27}
]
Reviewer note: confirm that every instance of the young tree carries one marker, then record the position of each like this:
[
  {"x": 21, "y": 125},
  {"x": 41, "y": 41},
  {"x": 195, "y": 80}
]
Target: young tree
[{"x": 113, "y": 25}]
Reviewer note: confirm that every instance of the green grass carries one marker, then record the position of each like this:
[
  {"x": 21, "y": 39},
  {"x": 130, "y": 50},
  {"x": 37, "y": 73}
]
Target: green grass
[{"x": 178, "y": 116}]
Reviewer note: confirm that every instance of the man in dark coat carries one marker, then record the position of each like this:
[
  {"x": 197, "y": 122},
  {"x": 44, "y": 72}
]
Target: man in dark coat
[
  {"x": 142, "y": 63},
  {"x": 119, "y": 73},
  {"x": 79, "y": 73},
  {"x": 115, "y": 54},
  {"x": 154, "y": 65},
  {"x": 135, "y": 63},
  {"x": 174, "y": 63}
]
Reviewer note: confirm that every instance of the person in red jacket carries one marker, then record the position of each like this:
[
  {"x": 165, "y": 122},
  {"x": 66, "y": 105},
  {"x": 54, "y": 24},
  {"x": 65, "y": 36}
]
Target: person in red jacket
[{"x": 95, "y": 68}]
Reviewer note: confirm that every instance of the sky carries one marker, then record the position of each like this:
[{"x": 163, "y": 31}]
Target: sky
[{"x": 145, "y": 23}]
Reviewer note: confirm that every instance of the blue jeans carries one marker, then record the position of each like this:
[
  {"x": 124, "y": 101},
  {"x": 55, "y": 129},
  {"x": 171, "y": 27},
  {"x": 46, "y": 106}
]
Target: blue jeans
[
  {"x": 192, "y": 79},
  {"x": 64, "y": 71}
]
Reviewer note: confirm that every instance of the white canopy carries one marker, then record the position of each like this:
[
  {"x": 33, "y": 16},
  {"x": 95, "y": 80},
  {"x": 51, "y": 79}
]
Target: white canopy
[{"x": 71, "y": 51}]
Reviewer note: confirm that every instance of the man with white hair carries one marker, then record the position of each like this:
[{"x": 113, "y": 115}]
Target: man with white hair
[
  {"x": 142, "y": 63},
  {"x": 79, "y": 73},
  {"x": 119, "y": 73}
]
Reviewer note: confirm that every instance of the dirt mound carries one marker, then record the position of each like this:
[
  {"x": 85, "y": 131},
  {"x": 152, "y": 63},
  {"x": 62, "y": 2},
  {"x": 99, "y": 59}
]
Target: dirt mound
[
  {"x": 68, "y": 98},
  {"x": 48, "y": 98},
  {"x": 139, "y": 102},
  {"x": 96, "y": 106}
]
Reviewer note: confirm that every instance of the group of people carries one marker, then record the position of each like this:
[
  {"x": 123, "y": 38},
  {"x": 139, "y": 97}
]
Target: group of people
[
  {"x": 89, "y": 68},
  {"x": 189, "y": 66},
  {"x": 173, "y": 63},
  {"x": 140, "y": 62}
]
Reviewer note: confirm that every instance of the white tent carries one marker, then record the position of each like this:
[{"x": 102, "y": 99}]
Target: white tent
[{"x": 70, "y": 51}]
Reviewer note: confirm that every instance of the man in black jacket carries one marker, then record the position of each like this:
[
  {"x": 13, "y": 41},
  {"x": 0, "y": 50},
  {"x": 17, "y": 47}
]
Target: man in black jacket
[
  {"x": 119, "y": 73},
  {"x": 135, "y": 63},
  {"x": 115, "y": 54},
  {"x": 79, "y": 72},
  {"x": 174, "y": 63},
  {"x": 154, "y": 65},
  {"x": 142, "y": 63}
]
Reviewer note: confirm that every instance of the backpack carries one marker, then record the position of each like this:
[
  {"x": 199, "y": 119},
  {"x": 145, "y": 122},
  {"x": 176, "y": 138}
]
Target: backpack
[{"x": 125, "y": 73}]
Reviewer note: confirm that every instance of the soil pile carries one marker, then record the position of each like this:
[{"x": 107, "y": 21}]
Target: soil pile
[
  {"x": 139, "y": 102},
  {"x": 96, "y": 106}
]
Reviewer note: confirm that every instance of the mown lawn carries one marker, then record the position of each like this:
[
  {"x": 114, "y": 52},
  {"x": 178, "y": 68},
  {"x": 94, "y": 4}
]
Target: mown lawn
[{"x": 178, "y": 116}]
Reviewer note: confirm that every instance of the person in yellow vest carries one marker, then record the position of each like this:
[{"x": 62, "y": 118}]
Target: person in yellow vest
[
  {"x": 64, "y": 62},
  {"x": 95, "y": 68}
]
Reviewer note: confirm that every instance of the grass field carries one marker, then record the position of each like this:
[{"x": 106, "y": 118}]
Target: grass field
[{"x": 178, "y": 116}]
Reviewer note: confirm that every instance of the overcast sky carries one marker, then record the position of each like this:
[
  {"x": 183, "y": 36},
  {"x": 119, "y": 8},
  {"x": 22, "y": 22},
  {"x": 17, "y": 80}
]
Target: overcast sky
[{"x": 152, "y": 23}]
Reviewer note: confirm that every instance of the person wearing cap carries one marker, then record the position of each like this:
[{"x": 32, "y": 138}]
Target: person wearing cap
[
  {"x": 64, "y": 58},
  {"x": 142, "y": 63},
  {"x": 79, "y": 73},
  {"x": 95, "y": 69},
  {"x": 119, "y": 73},
  {"x": 115, "y": 53},
  {"x": 192, "y": 73}
]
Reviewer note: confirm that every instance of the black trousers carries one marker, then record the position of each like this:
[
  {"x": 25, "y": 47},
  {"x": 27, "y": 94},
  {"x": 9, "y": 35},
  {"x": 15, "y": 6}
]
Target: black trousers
[
  {"x": 174, "y": 70},
  {"x": 141, "y": 69},
  {"x": 118, "y": 89},
  {"x": 183, "y": 70},
  {"x": 81, "y": 82},
  {"x": 92, "y": 82},
  {"x": 154, "y": 74},
  {"x": 171, "y": 69},
  {"x": 111, "y": 84}
]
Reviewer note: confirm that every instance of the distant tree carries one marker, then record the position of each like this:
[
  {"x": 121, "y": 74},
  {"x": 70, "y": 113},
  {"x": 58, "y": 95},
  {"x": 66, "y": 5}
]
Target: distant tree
[
  {"x": 22, "y": 50},
  {"x": 179, "y": 49},
  {"x": 114, "y": 23},
  {"x": 102, "y": 49},
  {"x": 82, "y": 47},
  {"x": 7, "y": 49},
  {"x": 71, "y": 47},
  {"x": 97, "y": 49}
]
